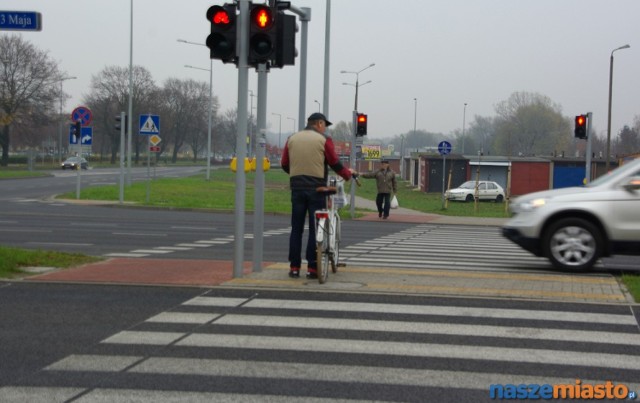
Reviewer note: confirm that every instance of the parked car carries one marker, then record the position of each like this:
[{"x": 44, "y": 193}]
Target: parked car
[
  {"x": 73, "y": 162},
  {"x": 574, "y": 227},
  {"x": 487, "y": 190}
]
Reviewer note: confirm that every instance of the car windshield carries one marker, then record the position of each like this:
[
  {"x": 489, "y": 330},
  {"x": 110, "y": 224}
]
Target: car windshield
[
  {"x": 468, "y": 185},
  {"x": 629, "y": 169}
]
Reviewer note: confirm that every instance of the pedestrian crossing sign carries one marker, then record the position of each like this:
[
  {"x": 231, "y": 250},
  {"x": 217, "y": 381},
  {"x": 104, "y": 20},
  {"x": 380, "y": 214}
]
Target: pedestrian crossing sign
[{"x": 149, "y": 124}]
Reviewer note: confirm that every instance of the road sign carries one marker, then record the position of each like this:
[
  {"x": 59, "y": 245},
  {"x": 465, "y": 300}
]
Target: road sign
[
  {"x": 149, "y": 124},
  {"x": 444, "y": 147},
  {"x": 155, "y": 140},
  {"x": 20, "y": 21},
  {"x": 154, "y": 149},
  {"x": 83, "y": 114},
  {"x": 86, "y": 136}
]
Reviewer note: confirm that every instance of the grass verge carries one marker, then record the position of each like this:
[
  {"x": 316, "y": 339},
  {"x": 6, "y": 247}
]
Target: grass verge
[
  {"x": 632, "y": 282},
  {"x": 13, "y": 259}
]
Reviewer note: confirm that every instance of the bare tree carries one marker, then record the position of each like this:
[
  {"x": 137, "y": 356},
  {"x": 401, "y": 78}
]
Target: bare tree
[
  {"x": 109, "y": 95},
  {"x": 530, "y": 124},
  {"x": 28, "y": 89}
]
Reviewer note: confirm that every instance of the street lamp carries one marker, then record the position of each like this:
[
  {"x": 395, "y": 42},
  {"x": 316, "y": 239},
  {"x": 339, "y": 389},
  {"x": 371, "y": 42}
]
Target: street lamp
[
  {"x": 464, "y": 116},
  {"x": 61, "y": 120},
  {"x": 415, "y": 114},
  {"x": 279, "y": 126},
  {"x": 210, "y": 105},
  {"x": 294, "y": 124},
  {"x": 316, "y": 101},
  {"x": 609, "y": 118},
  {"x": 357, "y": 73}
]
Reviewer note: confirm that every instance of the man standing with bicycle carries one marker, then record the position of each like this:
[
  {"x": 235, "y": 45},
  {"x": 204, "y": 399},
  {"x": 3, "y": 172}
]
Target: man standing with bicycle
[{"x": 306, "y": 157}]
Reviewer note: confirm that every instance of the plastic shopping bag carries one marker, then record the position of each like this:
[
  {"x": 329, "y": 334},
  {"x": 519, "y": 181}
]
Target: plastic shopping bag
[{"x": 394, "y": 202}]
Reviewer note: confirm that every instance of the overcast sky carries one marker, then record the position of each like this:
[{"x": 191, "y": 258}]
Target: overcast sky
[{"x": 445, "y": 53}]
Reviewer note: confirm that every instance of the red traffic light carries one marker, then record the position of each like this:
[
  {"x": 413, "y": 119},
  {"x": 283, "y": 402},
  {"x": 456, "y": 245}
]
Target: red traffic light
[
  {"x": 261, "y": 17},
  {"x": 362, "y": 118},
  {"x": 361, "y": 124},
  {"x": 580, "y": 130},
  {"x": 219, "y": 17}
]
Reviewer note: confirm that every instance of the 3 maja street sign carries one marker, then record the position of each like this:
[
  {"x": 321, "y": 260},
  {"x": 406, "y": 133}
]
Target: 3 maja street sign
[
  {"x": 20, "y": 21},
  {"x": 149, "y": 124}
]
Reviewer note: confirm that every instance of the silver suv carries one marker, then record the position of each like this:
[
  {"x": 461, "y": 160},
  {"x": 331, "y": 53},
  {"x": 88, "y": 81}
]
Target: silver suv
[{"x": 574, "y": 227}]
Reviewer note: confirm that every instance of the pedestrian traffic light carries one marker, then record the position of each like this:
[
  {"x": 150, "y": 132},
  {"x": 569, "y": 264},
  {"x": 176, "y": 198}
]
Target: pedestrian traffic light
[
  {"x": 286, "y": 40},
  {"x": 77, "y": 128},
  {"x": 118, "y": 125},
  {"x": 262, "y": 34},
  {"x": 580, "y": 130},
  {"x": 222, "y": 40},
  {"x": 361, "y": 124}
]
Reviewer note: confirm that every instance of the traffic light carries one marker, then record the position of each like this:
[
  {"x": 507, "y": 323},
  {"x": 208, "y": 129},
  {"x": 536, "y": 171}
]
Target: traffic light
[
  {"x": 361, "y": 124},
  {"x": 222, "y": 40},
  {"x": 286, "y": 40},
  {"x": 262, "y": 34},
  {"x": 580, "y": 130},
  {"x": 118, "y": 124},
  {"x": 77, "y": 129}
]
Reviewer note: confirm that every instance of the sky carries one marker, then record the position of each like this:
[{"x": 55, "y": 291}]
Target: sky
[{"x": 431, "y": 56}]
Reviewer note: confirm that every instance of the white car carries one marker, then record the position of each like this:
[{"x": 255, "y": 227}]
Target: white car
[
  {"x": 487, "y": 190},
  {"x": 574, "y": 227}
]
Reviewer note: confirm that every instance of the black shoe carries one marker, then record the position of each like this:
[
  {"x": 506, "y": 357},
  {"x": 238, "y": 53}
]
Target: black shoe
[
  {"x": 385, "y": 217},
  {"x": 379, "y": 215},
  {"x": 312, "y": 275},
  {"x": 294, "y": 273}
]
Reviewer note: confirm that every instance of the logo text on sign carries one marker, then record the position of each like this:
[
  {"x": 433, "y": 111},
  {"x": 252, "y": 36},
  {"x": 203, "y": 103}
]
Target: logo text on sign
[{"x": 371, "y": 152}]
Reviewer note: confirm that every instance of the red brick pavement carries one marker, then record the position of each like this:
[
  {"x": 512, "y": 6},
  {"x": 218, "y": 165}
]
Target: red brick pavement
[{"x": 149, "y": 272}]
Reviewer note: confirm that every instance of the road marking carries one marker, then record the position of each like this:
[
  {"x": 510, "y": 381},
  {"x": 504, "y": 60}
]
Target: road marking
[{"x": 125, "y": 255}]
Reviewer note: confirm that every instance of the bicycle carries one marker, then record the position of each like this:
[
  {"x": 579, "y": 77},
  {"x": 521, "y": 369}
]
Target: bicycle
[{"x": 328, "y": 227}]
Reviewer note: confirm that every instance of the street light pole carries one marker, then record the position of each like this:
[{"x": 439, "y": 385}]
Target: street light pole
[
  {"x": 61, "y": 120},
  {"x": 464, "y": 117},
  {"x": 609, "y": 117},
  {"x": 357, "y": 73},
  {"x": 294, "y": 124},
  {"x": 210, "y": 70},
  {"x": 316, "y": 101},
  {"x": 279, "y": 127},
  {"x": 415, "y": 114}
]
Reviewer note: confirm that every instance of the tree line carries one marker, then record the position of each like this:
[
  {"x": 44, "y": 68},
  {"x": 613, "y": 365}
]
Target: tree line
[{"x": 525, "y": 124}]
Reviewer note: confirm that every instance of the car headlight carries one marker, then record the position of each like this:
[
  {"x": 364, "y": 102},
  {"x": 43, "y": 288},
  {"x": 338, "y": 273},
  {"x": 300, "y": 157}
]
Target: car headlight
[{"x": 531, "y": 204}]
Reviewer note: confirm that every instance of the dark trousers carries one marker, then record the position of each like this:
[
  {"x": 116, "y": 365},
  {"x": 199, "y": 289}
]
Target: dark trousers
[
  {"x": 383, "y": 209},
  {"x": 303, "y": 203}
]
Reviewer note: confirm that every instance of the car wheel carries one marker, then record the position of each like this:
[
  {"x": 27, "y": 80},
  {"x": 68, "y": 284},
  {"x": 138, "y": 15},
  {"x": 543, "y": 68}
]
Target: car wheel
[
  {"x": 499, "y": 199},
  {"x": 573, "y": 244},
  {"x": 469, "y": 198}
]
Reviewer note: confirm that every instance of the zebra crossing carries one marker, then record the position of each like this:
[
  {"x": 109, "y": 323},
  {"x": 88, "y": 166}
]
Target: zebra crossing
[
  {"x": 430, "y": 246},
  {"x": 181, "y": 247},
  {"x": 241, "y": 346}
]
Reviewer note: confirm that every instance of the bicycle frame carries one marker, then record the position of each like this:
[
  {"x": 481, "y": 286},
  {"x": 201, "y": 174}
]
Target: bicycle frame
[{"x": 328, "y": 229}]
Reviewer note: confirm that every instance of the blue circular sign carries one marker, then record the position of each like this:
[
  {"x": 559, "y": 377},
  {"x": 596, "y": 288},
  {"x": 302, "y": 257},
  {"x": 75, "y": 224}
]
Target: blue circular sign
[
  {"x": 83, "y": 114},
  {"x": 444, "y": 147}
]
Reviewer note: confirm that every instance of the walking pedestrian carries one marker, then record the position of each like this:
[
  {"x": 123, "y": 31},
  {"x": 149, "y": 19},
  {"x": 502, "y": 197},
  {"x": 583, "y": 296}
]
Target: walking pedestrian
[
  {"x": 306, "y": 157},
  {"x": 386, "y": 184}
]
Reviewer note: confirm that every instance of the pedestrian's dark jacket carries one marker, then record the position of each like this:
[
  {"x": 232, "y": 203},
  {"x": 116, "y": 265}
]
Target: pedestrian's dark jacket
[
  {"x": 385, "y": 180},
  {"x": 306, "y": 158}
]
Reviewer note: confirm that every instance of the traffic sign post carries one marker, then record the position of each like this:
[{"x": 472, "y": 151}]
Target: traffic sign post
[{"x": 444, "y": 148}]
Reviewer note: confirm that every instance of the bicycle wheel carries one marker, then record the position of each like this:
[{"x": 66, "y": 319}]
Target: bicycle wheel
[
  {"x": 323, "y": 261},
  {"x": 335, "y": 258}
]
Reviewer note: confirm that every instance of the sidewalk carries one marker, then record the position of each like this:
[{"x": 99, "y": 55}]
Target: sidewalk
[
  {"x": 404, "y": 281},
  {"x": 412, "y": 216}
]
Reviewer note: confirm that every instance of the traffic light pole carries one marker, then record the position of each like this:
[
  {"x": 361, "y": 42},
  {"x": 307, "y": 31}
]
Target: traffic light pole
[
  {"x": 241, "y": 148},
  {"x": 352, "y": 162},
  {"x": 122, "y": 138},
  {"x": 258, "y": 195},
  {"x": 587, "y": 175}
]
